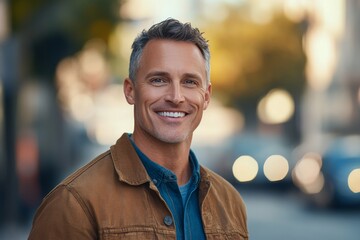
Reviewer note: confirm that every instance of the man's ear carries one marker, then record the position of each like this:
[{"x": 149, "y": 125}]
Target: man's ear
[
  {"x": 129, "y": 91},
  {"x": 207, "y": 96}
]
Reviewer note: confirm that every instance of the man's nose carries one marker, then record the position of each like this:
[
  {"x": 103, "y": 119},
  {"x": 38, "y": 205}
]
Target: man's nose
[{"x": 175, "y": 94}]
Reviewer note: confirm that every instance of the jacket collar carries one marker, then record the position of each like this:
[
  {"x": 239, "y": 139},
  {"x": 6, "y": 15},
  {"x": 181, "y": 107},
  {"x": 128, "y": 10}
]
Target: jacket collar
[{"x": 128, "y": 166}]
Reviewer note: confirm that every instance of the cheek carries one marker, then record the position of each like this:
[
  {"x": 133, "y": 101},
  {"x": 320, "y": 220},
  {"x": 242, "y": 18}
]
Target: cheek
[
  {"x": 145, "y": 100},
  {"x": 150, "y": 94},
  {"x": 196, "y": 98}
]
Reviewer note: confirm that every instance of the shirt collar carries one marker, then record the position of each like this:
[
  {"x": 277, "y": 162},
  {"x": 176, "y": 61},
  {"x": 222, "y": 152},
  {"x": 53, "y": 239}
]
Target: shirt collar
[{"x": 162, "y": 174}]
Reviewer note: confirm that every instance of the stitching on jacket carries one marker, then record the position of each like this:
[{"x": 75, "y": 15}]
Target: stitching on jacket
[
  {"x": 82, "y": 204},
  {"x": 83, "y": 169}
]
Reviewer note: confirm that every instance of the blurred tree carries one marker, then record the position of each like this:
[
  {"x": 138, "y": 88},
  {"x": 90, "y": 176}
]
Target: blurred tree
[
  {"x": 81, "y": 19},
  {"x": 42, "y": 32},
  {"x": 54, "y": 29},
  {"x": 249, "y": 59}
]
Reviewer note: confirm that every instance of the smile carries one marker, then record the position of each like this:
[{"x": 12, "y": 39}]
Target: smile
[{"x": 172, "y": 114}]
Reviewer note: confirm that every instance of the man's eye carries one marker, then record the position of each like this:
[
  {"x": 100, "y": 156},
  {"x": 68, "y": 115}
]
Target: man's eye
[
  {"x": 157, "y": 81},
  {"x": 190, "y": 83}
]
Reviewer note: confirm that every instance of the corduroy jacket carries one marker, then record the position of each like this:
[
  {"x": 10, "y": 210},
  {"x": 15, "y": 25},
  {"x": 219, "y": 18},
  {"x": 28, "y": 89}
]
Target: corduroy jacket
[{"x": 112, "y": 197}]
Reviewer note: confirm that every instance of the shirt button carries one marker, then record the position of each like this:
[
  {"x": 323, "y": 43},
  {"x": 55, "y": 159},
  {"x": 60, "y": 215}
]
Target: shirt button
[
  {"x": 168, "y": 220},
  {"x": 155, "y": 181}
]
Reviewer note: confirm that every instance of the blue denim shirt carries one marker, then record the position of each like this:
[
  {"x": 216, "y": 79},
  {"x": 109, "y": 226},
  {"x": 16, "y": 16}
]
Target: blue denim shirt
[{"x": 184, "y": 202}]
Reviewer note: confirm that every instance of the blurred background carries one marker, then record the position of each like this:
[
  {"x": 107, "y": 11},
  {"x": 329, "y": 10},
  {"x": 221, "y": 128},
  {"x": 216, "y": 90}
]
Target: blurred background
[{"x": 283, "y": 125}]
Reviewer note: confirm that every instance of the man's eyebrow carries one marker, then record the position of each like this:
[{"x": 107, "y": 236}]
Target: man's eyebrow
[
  {"x": 166, "y": 74},
  {"x": 157, "y": 73},
  {"x": 192, "y": 75}
]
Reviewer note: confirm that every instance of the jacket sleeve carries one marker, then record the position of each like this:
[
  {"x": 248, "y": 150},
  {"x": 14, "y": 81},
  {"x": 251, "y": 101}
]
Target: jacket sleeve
[{"x": 62, "y": 216}]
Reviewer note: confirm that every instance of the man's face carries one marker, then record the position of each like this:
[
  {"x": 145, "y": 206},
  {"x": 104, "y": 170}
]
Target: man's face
[{"x": 170, "y": 91}]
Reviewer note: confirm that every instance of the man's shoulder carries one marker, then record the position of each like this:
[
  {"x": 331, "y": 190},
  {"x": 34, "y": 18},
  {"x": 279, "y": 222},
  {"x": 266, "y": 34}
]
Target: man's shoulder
[
  {"x": 91, "y": 174},
  {"x": 85, "y": 181},
  {"x": 224, "y": 200},
  {"x": 91, "y": 171},
  {"x": 101, "y": 167},
  {"x": 71, "y": 200}
]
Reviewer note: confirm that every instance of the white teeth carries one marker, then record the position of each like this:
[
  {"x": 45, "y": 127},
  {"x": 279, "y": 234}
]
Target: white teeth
[{"x": 172, "y": 114}]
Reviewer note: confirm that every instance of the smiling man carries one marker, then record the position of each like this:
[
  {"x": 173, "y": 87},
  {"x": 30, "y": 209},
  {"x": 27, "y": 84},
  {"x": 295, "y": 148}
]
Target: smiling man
[{"x": 149, "y": 185}]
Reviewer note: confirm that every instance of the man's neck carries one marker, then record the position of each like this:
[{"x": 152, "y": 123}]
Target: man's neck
[{"x": 173, "y": 156}]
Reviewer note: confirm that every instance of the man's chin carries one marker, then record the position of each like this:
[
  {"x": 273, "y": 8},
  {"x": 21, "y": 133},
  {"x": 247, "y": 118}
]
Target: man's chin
[{"x": 173, "y": 138}]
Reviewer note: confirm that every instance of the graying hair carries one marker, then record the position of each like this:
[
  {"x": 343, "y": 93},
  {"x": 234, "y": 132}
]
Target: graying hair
[{"x": 170, "y": 29}]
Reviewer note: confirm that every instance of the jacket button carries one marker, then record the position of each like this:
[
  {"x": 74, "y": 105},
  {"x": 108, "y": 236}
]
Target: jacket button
[{"x": 168, "y": 220}]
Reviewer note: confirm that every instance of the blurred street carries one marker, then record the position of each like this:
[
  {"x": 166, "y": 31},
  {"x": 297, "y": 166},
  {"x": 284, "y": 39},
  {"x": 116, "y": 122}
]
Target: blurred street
[{"x": 283, "y": 215}]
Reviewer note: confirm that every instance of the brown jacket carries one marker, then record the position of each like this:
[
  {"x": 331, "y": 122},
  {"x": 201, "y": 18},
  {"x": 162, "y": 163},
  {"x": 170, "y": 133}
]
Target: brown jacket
[{"x": 112, "y": 197}]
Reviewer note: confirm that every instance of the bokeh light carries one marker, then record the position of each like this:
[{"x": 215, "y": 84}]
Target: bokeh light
[
  {"x": 276, "y": 107},
  {"x": 81, "y": 107},
  {"x": 295, "y": 10},
  {"x": 308, "y": 168},
  {"x": 210, "y": 131},
  {"x": 321, "y": 52},
  {"x": 307, "y": 173},
  {"x": 93, "y": 67},
  {"x": 316, "y": 186},
  {"x": 354, "y": 180},
  {"x": 276, "y": 167},
  {"x": 112, "y": 116},
  {"x": 245, "y": 168}
]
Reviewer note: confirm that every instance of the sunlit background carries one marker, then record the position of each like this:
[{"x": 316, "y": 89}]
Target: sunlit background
[{"x": 283, "y": 125}]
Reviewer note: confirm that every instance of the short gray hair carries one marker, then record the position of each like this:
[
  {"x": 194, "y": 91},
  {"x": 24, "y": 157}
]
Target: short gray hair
[{"x": 170, "y": 29}]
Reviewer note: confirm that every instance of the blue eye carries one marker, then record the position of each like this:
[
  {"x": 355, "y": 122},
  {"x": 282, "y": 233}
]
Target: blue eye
[
  {"x": 190, "y": 83},
  {"x": 157, "y": 81}
]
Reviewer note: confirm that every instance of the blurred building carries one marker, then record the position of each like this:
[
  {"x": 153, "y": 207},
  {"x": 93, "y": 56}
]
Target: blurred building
[
  {"x": 331, "y": 101},
  {"x": 349, "y": 65},
  {"x": 328, "y": 167}
]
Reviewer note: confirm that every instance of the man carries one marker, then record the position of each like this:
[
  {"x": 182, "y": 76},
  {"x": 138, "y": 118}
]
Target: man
[{"x": 149, "y": 185}]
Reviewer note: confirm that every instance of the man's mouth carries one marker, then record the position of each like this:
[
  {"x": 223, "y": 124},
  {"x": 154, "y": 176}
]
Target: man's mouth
[{"x": 172, "y": 114}]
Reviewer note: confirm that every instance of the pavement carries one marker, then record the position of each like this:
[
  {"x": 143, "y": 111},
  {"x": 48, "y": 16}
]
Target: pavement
[
  {"x": 285, "y": 215},
  {"x": 14, "y": 232}
]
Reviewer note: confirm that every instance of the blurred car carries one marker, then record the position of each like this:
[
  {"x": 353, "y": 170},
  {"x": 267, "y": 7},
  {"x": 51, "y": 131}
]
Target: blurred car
[
  {"x": 252, "y": 159},
  {"x": 331, "y": 179}
]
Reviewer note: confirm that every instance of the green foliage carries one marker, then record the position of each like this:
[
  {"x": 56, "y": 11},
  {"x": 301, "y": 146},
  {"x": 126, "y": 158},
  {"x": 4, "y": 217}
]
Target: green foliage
[
  {"x": 91, "y": 19},
  {"x": 22, "y": 10},
  {"x": 79, "y": 19},
  {"x": 249, "y": 59},
  {"x": 55, "y": 29}
]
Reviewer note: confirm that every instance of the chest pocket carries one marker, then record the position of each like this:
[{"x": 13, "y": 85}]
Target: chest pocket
[
  {"x": 135, "y": 233},
  {"x": 232, "y": 236}
]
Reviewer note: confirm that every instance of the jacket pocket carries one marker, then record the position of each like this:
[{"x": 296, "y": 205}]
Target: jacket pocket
[
  {"x": 135, "y": 233},
  {"x": 226, "y": 236}
]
